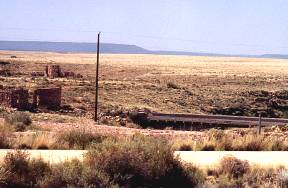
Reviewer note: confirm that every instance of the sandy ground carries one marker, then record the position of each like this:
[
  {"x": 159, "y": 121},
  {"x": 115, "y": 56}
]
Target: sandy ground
[{"x": 203, "y": 159}]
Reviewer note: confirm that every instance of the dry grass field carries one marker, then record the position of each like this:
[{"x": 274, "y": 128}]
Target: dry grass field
[
  {"x": 172, "y": 84},
  {"x": 178, "y": 84}
]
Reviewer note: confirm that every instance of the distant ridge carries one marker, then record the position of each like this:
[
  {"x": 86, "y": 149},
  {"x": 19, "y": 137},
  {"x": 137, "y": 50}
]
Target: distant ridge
[
  {"x": 74, "y": 47},
  {"x": 66, "y": 47},
  {"x": 279, "y": 56}
]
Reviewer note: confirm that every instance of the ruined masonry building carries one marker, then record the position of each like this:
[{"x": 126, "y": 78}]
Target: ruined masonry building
[
  {"x": 54, "y": 71},
  {"x": 48, "y": 98},
  {"x": 14, "y": 98}
]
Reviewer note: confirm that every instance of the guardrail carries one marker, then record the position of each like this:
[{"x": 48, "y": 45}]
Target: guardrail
[{"x": 209, "y": 121}]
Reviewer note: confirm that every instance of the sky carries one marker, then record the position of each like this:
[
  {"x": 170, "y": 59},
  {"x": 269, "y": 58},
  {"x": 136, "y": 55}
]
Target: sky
[{"x": 215, "y": 26}]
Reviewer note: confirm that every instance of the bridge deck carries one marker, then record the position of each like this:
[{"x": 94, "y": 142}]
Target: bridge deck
[{"x": 223, "y": 120}]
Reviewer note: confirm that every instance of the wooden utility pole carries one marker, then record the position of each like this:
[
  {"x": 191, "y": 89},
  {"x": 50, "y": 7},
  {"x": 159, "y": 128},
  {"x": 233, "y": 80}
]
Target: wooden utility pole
[{"x": 97, "y": 79}]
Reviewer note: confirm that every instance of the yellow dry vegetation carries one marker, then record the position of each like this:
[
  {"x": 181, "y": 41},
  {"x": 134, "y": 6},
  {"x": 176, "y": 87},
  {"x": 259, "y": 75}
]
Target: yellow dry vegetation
[{"x": 183, "y": 84}]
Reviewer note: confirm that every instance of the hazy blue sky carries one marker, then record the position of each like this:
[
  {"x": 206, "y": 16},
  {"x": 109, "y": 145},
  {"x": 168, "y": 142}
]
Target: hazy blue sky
[{"x": 218, "y": 26}]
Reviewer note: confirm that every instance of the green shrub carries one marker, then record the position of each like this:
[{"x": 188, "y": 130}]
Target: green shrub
[
  {"x": 19, "y": 171},
  {"x": 37, "y": 170},
  {"x": 4, "y": 174},
  {"x": 74, "y": 174},
  {"x": 17, "y": 162},
  {"x": 16, "y": 166},
  {"x": 78, "y": 139},
  {"x": 142, "y": 162},
  {"x": 18, "y": 120}
]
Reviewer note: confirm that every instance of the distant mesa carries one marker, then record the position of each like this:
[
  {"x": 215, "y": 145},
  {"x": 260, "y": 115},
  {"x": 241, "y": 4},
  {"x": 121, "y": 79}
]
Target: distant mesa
[
  {"x": 277, "y": 56},
  {"x": 71, "y": 47},
  {"x": 109, "y": 48}
]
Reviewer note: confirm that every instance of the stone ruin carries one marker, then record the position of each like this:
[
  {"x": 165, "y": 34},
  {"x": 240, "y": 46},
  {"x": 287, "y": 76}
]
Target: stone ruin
[
  {"x": 5, "y": 68},
  {"x": 49, "y": 98},
  {"x": 54, "y": 71},
  {"x": 43, "y": 98},
  {"x": 37, "y": 74},
  {"x": 14, "y": 98}
]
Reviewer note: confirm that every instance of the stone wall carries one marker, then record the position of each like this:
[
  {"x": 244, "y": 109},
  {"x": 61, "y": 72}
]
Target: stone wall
[
  {"x": 14, "y": 98},
  {"x": 49, "y": 98},
  {"x": 53, "y": 71},
  {"x": 37, "y": 74}
]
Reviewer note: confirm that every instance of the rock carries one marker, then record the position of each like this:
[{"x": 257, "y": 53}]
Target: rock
[{"x": 78, "y": 99}]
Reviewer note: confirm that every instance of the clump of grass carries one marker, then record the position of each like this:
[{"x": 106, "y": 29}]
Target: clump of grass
[
  {"x": 283, "y": 178},
  {"x": 218, "y": 140},
  {"x": 37, "y": 170},
  {"x": 19, "y": 121},
  {"x": 233, "y": 167},
  {"x": 38, "y": 140},
  {"x": 172, "y": 85},
  {"x": 261, "y": 177},
  {"x": 233, "y": 172},
  {"x": 278, "y": 144},
  {"x": 251, "y": 142},
  {"x": 215, "y": 134},
  {"x": 5, "y": 135},
  {"x": 185, "y": 147},
  {"x": 208, "y": 147},
  {"x": 78, "y": 139},
  {"x": 142, "y": 162}
]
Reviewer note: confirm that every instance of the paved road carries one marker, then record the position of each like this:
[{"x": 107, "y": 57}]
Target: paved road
[
  {"x": 211, "y": 158},
  {"x": 203, "y": 159},
  {"x": 51, "y": 156}
]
